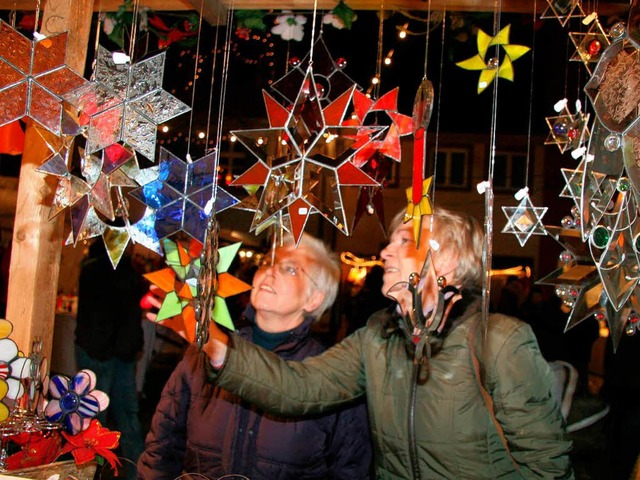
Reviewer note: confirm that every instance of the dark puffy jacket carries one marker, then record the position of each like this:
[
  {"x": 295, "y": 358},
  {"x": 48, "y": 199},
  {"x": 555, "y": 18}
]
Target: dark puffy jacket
[
  {"x": 201, "y": 428},
  {"x": 454, "y": 437}
]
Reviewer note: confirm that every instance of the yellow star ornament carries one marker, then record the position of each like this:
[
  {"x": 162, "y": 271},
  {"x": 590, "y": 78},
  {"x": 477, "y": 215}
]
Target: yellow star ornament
[
  {"x": 415, "y": 212},
  {"x": 491, "y": 68}
]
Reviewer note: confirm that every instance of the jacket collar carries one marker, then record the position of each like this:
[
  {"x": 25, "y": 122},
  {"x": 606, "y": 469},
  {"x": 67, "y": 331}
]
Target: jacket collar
[{"x": 296, "y": 335}]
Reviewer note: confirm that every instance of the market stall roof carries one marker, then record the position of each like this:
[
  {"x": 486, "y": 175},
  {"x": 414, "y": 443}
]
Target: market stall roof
[{"x": 211, "y": 9}]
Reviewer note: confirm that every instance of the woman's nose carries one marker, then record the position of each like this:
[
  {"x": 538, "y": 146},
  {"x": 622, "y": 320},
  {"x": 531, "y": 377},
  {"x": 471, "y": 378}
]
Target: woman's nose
[{"x": 386, "y": 251}]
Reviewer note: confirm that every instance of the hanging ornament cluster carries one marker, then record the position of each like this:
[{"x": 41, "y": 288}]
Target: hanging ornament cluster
[
  {"x": 601, "y": 237},
  {"x": 569, "y": 131}
]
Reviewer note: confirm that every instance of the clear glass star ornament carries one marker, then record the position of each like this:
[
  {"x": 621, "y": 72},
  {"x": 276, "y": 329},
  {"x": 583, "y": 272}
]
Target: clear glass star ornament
[
  {"x": 524, "y": 220},
  {"x": 589, "y": 45},
  {"x": 125, "y": 103},
  {"x": 563, "y": 10}
]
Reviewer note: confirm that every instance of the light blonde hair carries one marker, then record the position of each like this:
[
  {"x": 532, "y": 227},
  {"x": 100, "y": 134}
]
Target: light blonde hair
[
  {"x": 324, "y": 269},
  {"x": 459, "y": 232}
]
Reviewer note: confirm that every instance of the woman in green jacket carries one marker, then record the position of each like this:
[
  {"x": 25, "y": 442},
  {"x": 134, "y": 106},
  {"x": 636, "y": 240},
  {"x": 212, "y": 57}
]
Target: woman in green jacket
[{"x": 450, "y": 394}]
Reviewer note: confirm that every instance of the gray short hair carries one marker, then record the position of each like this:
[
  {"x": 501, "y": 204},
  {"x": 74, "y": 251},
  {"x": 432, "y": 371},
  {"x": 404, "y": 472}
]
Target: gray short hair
[
  {"x": 325, "y": 269},
  {"x": 462, "y": 233}
]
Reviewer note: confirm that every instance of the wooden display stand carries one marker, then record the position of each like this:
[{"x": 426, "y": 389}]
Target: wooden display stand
[{"x": 67, "y": 470}]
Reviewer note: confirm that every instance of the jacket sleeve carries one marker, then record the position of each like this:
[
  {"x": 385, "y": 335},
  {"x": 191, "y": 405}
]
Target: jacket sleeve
[
  {"x": 165, "y": 444},
  {"x": 520, "y": 382},
  {"x": 350, "y": 452},
  {"x": 314, "y": 385}
]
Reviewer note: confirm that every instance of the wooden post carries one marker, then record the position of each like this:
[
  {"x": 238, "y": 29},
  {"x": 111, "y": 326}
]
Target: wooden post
[{"x": 37, "y": 241}]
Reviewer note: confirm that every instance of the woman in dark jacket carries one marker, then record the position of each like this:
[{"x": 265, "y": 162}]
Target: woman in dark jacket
[{"x": 199, "y": 428}]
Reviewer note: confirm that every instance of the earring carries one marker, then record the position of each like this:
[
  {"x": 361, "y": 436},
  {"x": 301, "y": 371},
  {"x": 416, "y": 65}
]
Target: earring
[{"x": 442, "y": 282}]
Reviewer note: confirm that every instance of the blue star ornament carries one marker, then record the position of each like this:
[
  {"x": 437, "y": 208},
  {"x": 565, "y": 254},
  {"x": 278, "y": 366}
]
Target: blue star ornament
[{"x": 181, "y": 193}]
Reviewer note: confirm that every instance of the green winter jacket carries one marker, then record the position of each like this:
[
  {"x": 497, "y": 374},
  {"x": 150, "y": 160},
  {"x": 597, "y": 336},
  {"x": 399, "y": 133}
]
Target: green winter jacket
[{"x": 455, "y": 436}]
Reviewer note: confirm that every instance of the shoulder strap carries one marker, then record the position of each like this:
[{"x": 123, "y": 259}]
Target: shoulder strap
[{"x": 488, "y": 401}]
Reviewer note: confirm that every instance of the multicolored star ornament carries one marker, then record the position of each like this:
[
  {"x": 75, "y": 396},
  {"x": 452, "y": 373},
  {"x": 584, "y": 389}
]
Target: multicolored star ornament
[
  {"x": 524, "y": 220},
  {"x": 416, "y": 210},
  {"x": 304, "y": 159},
  {"x": 179, "y": 282},
  {"x": 569, "y": 131},
  {"x": 563, "y": 10},
  {"x": 180, "y": 193},
  {"x": 491, "y": 68},
  {"x": 125, "y": 103},
  {"x": 34, "y": 78}
]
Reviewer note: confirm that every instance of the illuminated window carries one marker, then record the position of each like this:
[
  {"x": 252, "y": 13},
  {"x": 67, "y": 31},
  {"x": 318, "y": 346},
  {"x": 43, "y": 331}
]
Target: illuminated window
[
  {"x": 509, "y": 171},
  {"x": 453, "y": 167}
]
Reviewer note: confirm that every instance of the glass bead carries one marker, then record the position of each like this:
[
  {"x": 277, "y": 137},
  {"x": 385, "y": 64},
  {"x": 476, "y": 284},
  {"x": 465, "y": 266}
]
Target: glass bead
[
  {"x": 560, "y": 127},
  {"x": 575, "y": 211},
  {"x": 633, "y": 317},
  {"x": 294, "y": 61},
  {"x": 630, "y": 329},
  {"x": 561, "y": 291},
  {"x": 572, "y": 133},
  {"x": 493, "y": 63},
  {"x": 623, "y": 184},
  {"x": 370, "y": 209},
  {"x": 612, "y": 142},
  {"x": 600, "y": 237},
  {"x": 566, "y": 256},
  {"x": 594, "y": 47},
  {"x": 618, "y": 30},
  {"x": 567, "y": 222},
  {"x": 599, "y": 316},
  {"x": 636, "y": 243},
  {"x": 69, "y": 402},
  {"x": 341, "y": 62}
]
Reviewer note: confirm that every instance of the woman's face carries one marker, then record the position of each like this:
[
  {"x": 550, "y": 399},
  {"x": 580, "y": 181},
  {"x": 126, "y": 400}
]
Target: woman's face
[{"x": 283, "y": 293}]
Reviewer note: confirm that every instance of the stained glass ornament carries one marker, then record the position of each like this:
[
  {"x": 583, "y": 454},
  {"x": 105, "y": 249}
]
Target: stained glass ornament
[
  {"x": 488, "y": 68},
  {"x": 563, "y": 10},
  {"x": 524, "y": 220},
  {"x": 34, "y": 78},
  {"x": 374, "y": 159},
  {"x": 568, "y": 131},
  {"x": 415, "y": 211},
  {"x": 326, "y": 72},
  {"x": 304, "y": 159},
  {"x": 179, "y": 282},
  {"x": 590, "y": 45},
  {"x": 612, "y": 87},
  {"x": 180, "y": 195},
  {"x": 125, "y": 103}
]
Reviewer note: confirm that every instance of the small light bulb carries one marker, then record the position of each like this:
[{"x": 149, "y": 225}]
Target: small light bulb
[
  {"x": 233, "y": 138},
  {"x": 387, "y": 61},
  {"x": 165, "y": 129},
  {"x": 375, "y": 80}
]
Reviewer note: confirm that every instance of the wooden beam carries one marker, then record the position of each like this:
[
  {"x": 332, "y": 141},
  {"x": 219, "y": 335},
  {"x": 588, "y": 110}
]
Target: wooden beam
[
  {"x": 211, "y": 7},
  {"x": 37, "y": 241}
]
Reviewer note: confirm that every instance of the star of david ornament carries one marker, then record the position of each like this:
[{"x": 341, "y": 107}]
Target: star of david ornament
[
  {"x": 524, "y": 220},
  {"x": 492, "y": 68},
  {"x": 304, "y": 159},
  {"x": 568, "y": 131},
  {"x": 563, "y": 10},
  {"x": 125, "y": 103},
  {"x": 34, "y": 78},
  {"x": 589, "y": 45},
  {"x": 181, "y": 193}
]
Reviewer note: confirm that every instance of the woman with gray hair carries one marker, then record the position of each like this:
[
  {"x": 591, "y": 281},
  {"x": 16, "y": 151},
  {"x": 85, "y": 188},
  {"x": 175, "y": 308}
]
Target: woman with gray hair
[
  {"x": 209, "y": 432},
  {"x": 451, "y": 394}
]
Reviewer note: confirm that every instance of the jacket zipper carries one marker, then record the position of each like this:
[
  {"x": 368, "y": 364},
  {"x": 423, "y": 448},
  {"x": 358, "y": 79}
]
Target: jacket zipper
[{"x": 413, "y": 449}]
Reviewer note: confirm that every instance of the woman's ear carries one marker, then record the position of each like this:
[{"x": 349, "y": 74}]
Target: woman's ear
[
  {"x": 445, "y": 262},
  {"x": 314, "y": 301}
]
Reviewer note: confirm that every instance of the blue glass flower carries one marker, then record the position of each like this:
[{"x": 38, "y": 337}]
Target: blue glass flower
[{"x": 75, "y": 402}]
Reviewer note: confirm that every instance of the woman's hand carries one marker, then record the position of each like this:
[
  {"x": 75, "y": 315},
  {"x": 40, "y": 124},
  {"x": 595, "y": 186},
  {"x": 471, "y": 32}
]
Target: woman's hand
[
  {"x": 216, "y": 347},
  {"x": 152, "y": 301}
]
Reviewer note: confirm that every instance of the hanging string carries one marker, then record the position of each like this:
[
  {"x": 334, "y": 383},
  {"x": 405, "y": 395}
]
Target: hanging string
[
  {"x": 37, "y": 18},
  {"x": 378, "y": 75},
  {"x": 426, "y": 43},
  {"x": 438, "y": 110},
  {"x": 487, "y": 250},
  {"x": 530, "y": 126},
  {"x": 134, "y": 29},
  {"x": 313, "y": 30},
  {"x": 213, "y": 76},
  {"x": 223, "y": 84},
  {"x": 195, "y": 81}
]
